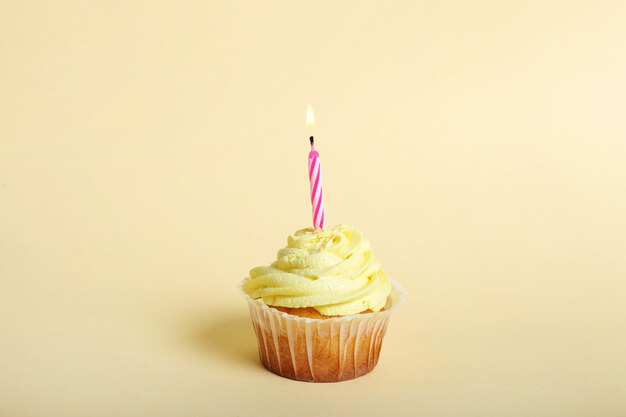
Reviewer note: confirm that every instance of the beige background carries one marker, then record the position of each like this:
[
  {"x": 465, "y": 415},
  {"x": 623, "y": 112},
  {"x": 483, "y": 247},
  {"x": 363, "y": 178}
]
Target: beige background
[{"x": 152, "y": 153}]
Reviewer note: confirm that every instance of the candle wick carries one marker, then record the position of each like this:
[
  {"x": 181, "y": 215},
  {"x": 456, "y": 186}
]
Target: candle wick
[{"x": 312, "y": 140}]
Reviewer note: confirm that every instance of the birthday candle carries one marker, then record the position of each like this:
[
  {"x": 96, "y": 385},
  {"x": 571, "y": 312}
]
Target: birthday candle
[{"x": 315, "y": 178}]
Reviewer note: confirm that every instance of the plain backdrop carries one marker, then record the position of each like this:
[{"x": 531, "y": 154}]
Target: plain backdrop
[{"x": 151, "y": 153}]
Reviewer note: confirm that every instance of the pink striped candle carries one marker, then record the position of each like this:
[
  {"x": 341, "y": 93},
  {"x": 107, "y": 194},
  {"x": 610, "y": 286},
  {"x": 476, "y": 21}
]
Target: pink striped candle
[{"x": 315, "y": 178}]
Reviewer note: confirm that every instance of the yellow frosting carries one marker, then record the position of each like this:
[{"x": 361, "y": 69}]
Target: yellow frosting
[{"x": 332, "y": 270}]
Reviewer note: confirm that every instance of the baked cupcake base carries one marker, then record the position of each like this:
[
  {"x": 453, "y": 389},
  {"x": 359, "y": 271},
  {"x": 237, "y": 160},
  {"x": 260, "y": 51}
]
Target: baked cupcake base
[{"x": 321, "y": 350}]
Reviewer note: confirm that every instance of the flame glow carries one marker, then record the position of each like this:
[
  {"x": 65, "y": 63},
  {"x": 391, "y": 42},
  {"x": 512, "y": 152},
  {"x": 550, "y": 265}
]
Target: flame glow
[{"x": 310, "y": 118}]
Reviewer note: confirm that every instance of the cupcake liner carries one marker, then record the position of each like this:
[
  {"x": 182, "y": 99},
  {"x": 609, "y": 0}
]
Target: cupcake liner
[{"x": 321, "y": 350}]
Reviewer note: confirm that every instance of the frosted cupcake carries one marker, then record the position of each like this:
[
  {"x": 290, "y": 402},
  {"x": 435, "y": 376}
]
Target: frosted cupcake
[{"x": 321, "y": 310}]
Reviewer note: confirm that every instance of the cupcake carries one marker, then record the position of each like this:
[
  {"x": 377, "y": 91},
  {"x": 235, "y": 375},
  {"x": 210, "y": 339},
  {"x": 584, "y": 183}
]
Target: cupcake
[{"x": 320, "y": 311}]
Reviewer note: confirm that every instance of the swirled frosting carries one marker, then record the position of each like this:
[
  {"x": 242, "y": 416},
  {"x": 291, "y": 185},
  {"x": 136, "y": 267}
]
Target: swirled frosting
[{"x": 332, "y": 270}]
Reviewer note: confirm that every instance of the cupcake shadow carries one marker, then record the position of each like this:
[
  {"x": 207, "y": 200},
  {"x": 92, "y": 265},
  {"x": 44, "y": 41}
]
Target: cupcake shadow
[{"x": 230, "y": 337}]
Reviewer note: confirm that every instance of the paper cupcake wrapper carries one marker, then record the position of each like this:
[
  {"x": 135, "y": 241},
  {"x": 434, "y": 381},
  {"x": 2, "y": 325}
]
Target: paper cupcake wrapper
[{"x": 321, "y": 350}]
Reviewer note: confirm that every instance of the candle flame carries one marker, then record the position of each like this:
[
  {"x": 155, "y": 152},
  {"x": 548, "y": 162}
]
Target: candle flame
[{"x": 310, "y": 118}]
